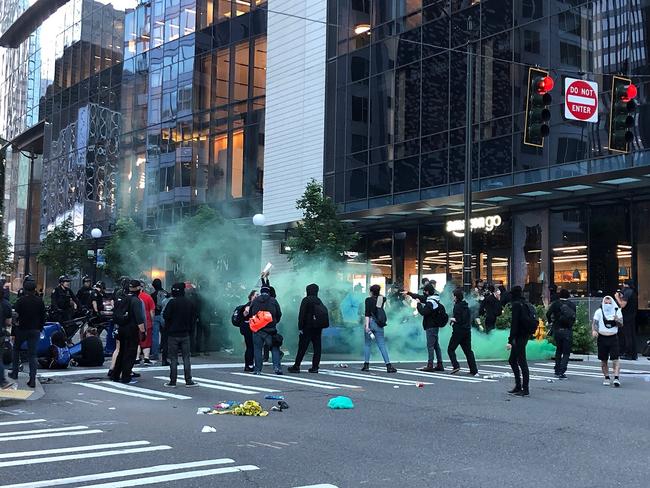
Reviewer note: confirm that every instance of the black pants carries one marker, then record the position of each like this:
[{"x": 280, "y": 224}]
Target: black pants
[
  {"x": 249, "y": 358},
  {"x": 518, "y": 362},
  {"x": 490, "y": 324},
  {"x": 129, "y": 341},
  {"x": 563, "y": 342},
  {"x": 309, "y": 335},
  {"x": 629, "y": 336},
  {"x": 182, "y": 345},
  {"x": 163, "y": 344},
  {"x": 32, "y": 336},
  {"x": 462, "y": 338}
]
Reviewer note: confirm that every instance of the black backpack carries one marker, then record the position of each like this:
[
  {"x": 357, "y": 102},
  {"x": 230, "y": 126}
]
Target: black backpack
[
  {"x": 121, "y": 310},
  {"x": 380, "y": 315},
  {"x": 529, "y": 318},
  {"x": 320, "y": 318},
  {"x": 567, "y": 316},
  {"x": 237, "y": 317},
  {"x": 440, "y": 316}
]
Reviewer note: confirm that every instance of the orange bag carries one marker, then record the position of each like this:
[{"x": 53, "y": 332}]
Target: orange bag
[{"x": 260, "y": 320}]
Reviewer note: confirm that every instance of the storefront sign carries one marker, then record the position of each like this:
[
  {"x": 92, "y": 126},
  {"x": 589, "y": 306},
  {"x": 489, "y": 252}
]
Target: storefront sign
[
  {"x": 489, "y": 223},
  {"x": 580, "y": 100}
]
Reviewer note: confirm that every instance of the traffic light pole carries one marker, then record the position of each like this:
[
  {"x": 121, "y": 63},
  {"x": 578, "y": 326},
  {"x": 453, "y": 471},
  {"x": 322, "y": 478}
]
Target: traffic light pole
[{"x": 467, "y": 191}]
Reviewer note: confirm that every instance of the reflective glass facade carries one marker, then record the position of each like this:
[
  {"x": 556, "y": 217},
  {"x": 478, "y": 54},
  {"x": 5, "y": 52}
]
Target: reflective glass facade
[{"x": 396, "y": 93}]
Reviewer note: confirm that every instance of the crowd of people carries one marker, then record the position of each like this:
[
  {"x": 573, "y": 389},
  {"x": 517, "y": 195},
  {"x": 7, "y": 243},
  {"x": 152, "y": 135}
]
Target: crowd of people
[{"x": 169, "y": 323}]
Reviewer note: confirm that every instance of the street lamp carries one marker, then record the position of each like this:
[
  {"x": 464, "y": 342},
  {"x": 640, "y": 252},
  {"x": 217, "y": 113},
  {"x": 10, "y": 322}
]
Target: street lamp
[
  {"x": 259, "y": 220},
  {"x": 96, "y": 234}
]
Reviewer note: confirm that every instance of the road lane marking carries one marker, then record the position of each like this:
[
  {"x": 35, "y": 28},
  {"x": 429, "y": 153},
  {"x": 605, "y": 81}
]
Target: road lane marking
[
  {"x": 294, "y": 381},
  {"x": 87, "y": 455},
  {"x": 49, "y": 435},
  {"x": 41, "y": 431},
  {"x": 428, "y": 374},
  {"x": 216, "y": 387},
  {"x": 318, "y": 486},
  {"x": 173, "y": 477},
  {"x": 137, "y": 389},
  {"x": 63, "y": 450},
  {"x": 543, "y": 370},
  {"x": 117, "y": 391},
  {"x": 372, "y": 379},
  {"x": 595, "y": 369},
  {"x": 20, "y": 422},
  {"x": 236, "y": 385}
]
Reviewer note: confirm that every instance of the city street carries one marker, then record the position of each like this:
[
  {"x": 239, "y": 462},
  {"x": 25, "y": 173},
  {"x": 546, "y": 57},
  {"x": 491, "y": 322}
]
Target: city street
[{"x": 455, "y": 431}]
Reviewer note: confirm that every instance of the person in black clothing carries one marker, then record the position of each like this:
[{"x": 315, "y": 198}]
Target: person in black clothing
[
  {"x": 561, "y": 314},
  {"x": 491, "y": 308},
  {"x": 179, "y": 315},
  {"x": 83, "y": 295},
  {"x": 309, "y": 330},
  {"x": 129, "y": 335},
  {"x": 159, "y": 340},
  {"x": 427, "y": 306},
  {"x": 245, "y": 330},
  {"x": 92, "y": 350},
  {"x": 5, "y": 323},
  {"x": 517, "y": 343},
  {"x": 628, "y": 300},
  {"x": 268, "y": 335},
  {"x": 64, "y": 302},
  {"x": 461, "y": 334},
  {"x": 553, "y": 294},
  {"x": 31, "y": 320}
]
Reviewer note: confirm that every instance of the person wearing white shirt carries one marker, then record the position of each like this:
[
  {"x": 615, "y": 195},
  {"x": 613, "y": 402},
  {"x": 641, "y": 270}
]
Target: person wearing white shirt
[{"x": 607, "y": 319}]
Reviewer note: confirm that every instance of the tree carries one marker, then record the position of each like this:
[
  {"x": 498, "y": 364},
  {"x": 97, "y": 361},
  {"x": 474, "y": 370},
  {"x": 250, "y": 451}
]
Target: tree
[
  {"x": 6, "y": 255},
  {"x": 62, "y": 250},
  {"x": 129, "y": 250},
  {"x": 321, "y": 234}
]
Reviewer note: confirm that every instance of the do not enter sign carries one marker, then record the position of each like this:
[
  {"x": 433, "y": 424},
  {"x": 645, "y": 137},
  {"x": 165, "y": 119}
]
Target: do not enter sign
[{"x": 580, "y": 100}]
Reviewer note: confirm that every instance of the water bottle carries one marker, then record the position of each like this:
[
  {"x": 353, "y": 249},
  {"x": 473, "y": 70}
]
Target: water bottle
[{"x": 372, "y": 335}]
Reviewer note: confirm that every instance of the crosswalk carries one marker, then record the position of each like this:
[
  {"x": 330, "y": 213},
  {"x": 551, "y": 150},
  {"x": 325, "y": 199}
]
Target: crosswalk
[{"x": 68, "y": 456}]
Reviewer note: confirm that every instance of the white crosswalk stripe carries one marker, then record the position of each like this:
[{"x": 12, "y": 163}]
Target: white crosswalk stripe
[
  {"x": 225, "y": 383},
  {"x": 595, "y": 369},
  {"x": 232, "y": 387},
  {"x": 138, "y": 389},
  {"x": 502, "y": 374},
  {"x": 47, "y": 433},
  {"x": 372, "y": 379},
  {"x": 21, "y": 422},
  {"x": 441, "y": 376},
  {"x": 550, "y": 371},
  {"x": 295, "y": 380},
  {"x": 109, "y": 387},
  {"x": 62, "y": 450}
]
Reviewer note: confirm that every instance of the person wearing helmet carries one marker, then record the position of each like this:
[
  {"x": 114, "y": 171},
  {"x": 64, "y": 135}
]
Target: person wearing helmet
[
  {"x": 64, "y": 302},
  {"x": 83, "y": 295}
]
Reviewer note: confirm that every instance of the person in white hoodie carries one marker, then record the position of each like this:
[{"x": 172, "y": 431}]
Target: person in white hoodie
[{"x": 607, "y": 319}]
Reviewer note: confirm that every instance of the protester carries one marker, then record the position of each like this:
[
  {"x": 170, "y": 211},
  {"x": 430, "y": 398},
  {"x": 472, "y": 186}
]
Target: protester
[
  {"x": 434, "y": 316},
  {"x": 552, "y": 293},
  {"x": 179, "y": 315},
  {"x": 312, "y": 319},
  {"x": 605, "y": 327},
  {"x": 31, "y": 320},
  {"x": 128, "y": 313},
  {"x": 5, "y": 320},
  {"x": 491, "y": 308},
  {"x": 374, "y": 328},
  {"x": 90, "y": 351},
  {"x": 628, "y": 300},
  {"x": 245, "y": 330},
  {"x": 144, "y": 348},
  {"x": 264, "y": 326},
  {"x": 159, "y": 297},
  {"x": 83, "y": 295},
  {"x": 519, "y": 335},
  {"x": 64, "y": 303},
  {"x": 200, "y": 336},
  {"x": 58, "y": 353},
  {"x": 461, "y": 335},
  {"x": 562, "y": 316}
]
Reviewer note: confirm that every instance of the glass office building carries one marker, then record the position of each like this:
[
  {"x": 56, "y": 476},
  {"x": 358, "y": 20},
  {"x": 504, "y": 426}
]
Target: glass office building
[{"x": 570, "y": 213}]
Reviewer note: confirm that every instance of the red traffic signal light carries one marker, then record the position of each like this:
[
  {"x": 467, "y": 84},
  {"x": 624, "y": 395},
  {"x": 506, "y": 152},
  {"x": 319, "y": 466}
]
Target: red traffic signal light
[
  {"x": 545, "y": 85},
  {"x": 629, "y": 93}
]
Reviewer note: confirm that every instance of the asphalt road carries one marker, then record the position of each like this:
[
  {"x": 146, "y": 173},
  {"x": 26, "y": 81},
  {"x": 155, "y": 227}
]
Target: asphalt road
[{"x": 450, "y": 433}]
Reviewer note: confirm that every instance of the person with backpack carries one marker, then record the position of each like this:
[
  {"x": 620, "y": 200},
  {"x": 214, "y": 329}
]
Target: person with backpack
[
  {"x": 491, "y": 308},
  {"x": 434, "y": 316},
  {"x": 605, "y": 328},
  {"x": 461, "y": 334},
  {"x": 128, "y": 315},
  {"x": 561, "y": 314},
  {"x": 265, "y": 314},
  {"x": 240, "y": 319},
  {"x": 374, "y": 323},
  {"x": 521, "y": 328},
  {"x": 180, "y": 316},
  {"x": 312, "y": 319}
]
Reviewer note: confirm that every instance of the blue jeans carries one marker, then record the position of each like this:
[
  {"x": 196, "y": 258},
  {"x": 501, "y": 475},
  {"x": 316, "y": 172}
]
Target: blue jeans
[
  {"x": 155, "y": 343},
  {"x": 259, "y": 338},
  {"x": 433, "y": 344},
  {"x": 32, "y": 337},
  {"x": 379, "y": 338}
]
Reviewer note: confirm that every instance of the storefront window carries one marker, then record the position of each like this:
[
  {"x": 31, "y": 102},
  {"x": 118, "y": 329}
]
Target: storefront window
[
  {"x": 530, "y": 254},
  {"x": 569, "y": 245},
  {"x": 610, "y": 252},
  {"x": 380, "y": 260},
  {"x": 641, "y": 216}
]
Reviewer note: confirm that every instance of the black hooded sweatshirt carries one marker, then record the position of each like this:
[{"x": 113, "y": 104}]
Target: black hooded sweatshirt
[
  {"x": 266, "y": 302},
  {"x": 307, "y": 306},
  {"x": 462, "y": 316},
  {"x": 179, "y": 315}
]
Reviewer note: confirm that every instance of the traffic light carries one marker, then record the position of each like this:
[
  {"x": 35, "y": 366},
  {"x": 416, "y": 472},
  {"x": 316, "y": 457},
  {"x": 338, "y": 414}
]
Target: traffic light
[
  {"x": 538, "y": 115},
  {"x": 621, "y": 115}
]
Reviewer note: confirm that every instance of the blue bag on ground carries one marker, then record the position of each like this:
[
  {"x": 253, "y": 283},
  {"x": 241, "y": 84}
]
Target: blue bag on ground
[{"x": 340, "y": 402}]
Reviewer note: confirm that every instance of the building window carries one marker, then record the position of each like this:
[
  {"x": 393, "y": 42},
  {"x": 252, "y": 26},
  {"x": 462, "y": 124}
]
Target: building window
[
  {"x": 237, "y": 178},
  {"x": 531, "y": 41}
]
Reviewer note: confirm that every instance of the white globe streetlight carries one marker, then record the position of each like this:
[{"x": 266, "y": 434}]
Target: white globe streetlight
[
  {"x": 259, "y": 220},
  {"x": 96, "y": 234}
]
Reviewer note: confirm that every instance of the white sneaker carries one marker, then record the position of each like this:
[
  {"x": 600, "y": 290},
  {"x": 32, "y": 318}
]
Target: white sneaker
[
  {"x": 606, "y": 382},
  {"x": 616, "y": 383}
]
